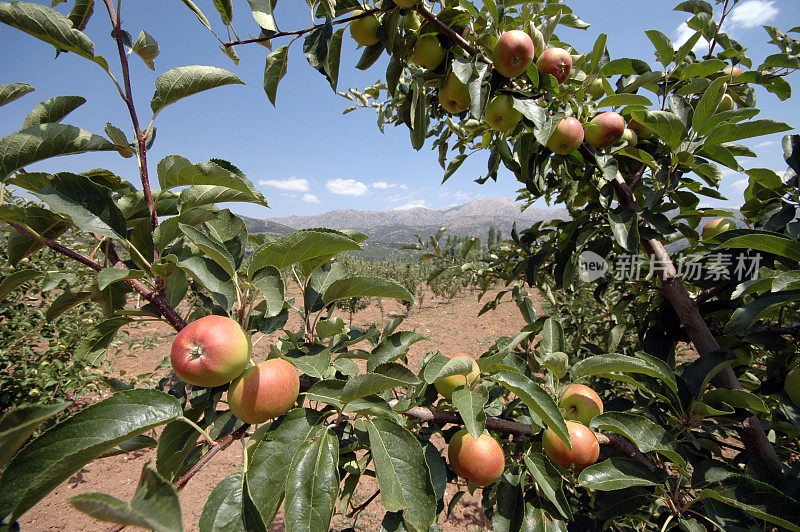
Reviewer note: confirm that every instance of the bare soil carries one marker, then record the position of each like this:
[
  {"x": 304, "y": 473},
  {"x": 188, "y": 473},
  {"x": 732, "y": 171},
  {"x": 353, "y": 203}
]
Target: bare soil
[{"x": 452, "y": 326}]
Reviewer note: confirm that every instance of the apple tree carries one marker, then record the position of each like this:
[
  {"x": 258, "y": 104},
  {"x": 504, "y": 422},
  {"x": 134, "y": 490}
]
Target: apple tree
[{"x": 687, "y": 425}]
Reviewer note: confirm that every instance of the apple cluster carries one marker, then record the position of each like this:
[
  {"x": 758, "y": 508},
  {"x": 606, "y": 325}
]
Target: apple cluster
[{"x": 214, "y": 350}]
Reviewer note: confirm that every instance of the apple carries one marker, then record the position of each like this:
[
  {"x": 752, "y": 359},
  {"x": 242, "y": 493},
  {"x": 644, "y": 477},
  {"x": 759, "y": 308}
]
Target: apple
[
  {"x": 447, "y": 385},
  {"x": 585, "y": 448},
  {"x": 555, "y": 61},
  {"x": 405, "y": 3},
  {"x": 792, "y": 386},
  {"x": 500, "y": 113},
  {"x": 567, "y": 136},
  {"x": 480, "y": 461},
  {"x": 595, "y": 88},
  {"x": 732, "y": 72},
  {"x": 264, "y": 391},
  {"x": 642, "y": 132},
  {"x": 454, "y": 95},
  {"x": 428, "y": 51},
  {"x": 211, "y": 351},
  {"x": 513, "y": 53},
  {"x": 411, "y": 21},
  {"x": 715, "y": 227},
  {"x": 580, "y": 403},
  {"x": 364, "y": 30},
  {"x": 630, "y": 137},
  {"x": 605, "y": 129},
  {"x": 726, "y": 104}
]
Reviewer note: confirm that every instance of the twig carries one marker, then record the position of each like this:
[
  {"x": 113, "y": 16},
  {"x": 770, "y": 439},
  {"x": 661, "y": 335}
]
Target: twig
[
  {"x": 716, "y": 33},
  {"x": 449, "y": 33},
  {"x": 711, "y": 292}
]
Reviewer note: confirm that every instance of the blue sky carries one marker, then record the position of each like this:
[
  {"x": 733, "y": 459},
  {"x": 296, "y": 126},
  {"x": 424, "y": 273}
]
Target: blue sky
[{"x": 304, "y": 155}]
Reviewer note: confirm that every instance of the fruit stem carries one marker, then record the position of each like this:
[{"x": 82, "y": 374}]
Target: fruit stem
[{"x": 199, "y": 429}]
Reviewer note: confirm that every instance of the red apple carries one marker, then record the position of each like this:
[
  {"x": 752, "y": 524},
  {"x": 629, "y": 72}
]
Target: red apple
[
  {"x": 585, "y": 449},
  {"x": 513, "y": 53},
  {"x": 555, "y": 61},
  {"x": 580, "y": 403},
  {"x": 211, "y": 351},
  {"x": 264, "y": 391},
  {"x": 567, "y": 136},
  {"x": 732, "y": 72},
  {"x": 605, "y": 129},
  {"x": 447, "y": 385},
  {"x": 480, "y": 461}
]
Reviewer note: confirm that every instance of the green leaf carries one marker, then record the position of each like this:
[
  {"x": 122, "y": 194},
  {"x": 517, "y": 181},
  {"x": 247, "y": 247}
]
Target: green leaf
[
  {"x": 13, "y": 91},
  {"x": 313, "y": 484},
  {"x": 89, "y": 206},
  {"x": 552, "y": 337},
  {"x": 43, "y": 141},
  {"x": 371, "y": 383},
  {"x": 625, "y": 227},
  {"x": 665, "y": 124},
  {"x": 17, "y": 424},
  {"x": 274, "y": 451},
  {"x": 199, "y": 195},
  {"x": 212, "y": 248},
  {"x": 298, "y": 247},
  {"x": 80, "y": 13},
  {"x": 624, "y": 99},
  {"x": 644, "y": 432},
  {"x": 319, "y": 281},
  {"x": 549, "y": 480},
  {"x": 176, "y": 171},
  {"x": 441, "y": 368},
  {"x": 745, "y": 130},
  {"x": 404, "y": 479},
  {"x": 44, "y": 222},
  {"x": 315, "y": 48},
  {"x": 175, "y": 443},
  {"x": 262, "y": 13},
  {"x": 758, "y": 499},
  {"x": 184, "y": 81},
  {"x": 334, "y": 56},
  {"x": 64, "y": 449},
  {"x": 743, "y": 317},
  {"x": 52, "y": 110},
  {"x": 735, "y": 398},
  {"x": 609, "y": 364},
  {"x": 624, "y": 67},
  {"x": 225, "y": 10},
  {"x": 229, "y": 508},
  {"x": 314, "y": 361},
  {"x": 47, "y": 25},
  {"x": 392, "y": 347},
  {"x": 275, "y": 69},
  {"x": 665, "y": 51},
  {"x": 198, "y": 13},
  {"x": 763, "y": 241},
  {"x": 708, "y": 103},
  {"x": 107, "y": 276},
  {"x": 469, "y": 404},
  {"x": 269, "y": 283},
  {"x": 618, "y": 473},
  {"x": 155, "y": 505},
  {"x": 14, "y": 280},
  {"x": 213, "y": 278},
  {"x": 538, "y": 401},
  {"x": 363, "y": 286},
  {"x": 146, "y": 47},
  {"x": 93, "y": 345}
]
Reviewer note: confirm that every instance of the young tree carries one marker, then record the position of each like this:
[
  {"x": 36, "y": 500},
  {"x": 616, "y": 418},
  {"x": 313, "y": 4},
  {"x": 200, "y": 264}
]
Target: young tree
[{"x": 662, "y": 444}]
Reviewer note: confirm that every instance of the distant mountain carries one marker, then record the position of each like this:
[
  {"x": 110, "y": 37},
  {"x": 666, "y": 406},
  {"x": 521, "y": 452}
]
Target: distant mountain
[{"x": 267, "y": 227}]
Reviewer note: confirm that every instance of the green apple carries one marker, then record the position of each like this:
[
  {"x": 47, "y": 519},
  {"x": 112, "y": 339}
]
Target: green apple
[
  {"x": 454, "y": 95},
  {"x": 567, "y": 136},
  {"x": 364, "y": 30},
  {"x": 428, "y": 51},
  {"x": 630, "y": 137},
  {"x": 792, "y": 386},
  {"x": 406, "y": 3},
  {"x": 447, "y": 386},
  {"x": 715, "y": 227},
  {"x": 595, "y": 88},
  {"x": 726, "y": 104},
  {"x": 500, "y": 113}
]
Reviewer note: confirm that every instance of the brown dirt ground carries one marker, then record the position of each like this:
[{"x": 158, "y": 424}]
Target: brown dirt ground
[{"x": 452, "y": 326}]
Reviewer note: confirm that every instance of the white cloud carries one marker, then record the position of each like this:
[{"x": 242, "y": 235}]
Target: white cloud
[
  {"x": 311, "y": 198},
  {"x": 411, "y": 205},
  {"x": 383, "y": 185},
  {"x": 296, "y": 184},
  {"x": 346, "y": 187},
  {"x": 682, "y": 34},
  {"x": 752, "y": 13},
  {"x": 740, "y": 185},
  {"x": 766, "y": 143}
]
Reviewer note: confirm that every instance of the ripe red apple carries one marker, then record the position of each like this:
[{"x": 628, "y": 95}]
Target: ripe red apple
[
  {"x": 480, "y": 461},
  {"x": 211, "y": 351},
  {"x": 264, "y": 391},
  {"x": 605, "y": 129},
  {"x": 580, "y": 403},
  {"x": 715, "y": 227},
  {"x": 585, "y": 448},
  {"x": 405, "y": 3},
  {"x": 428, "y": 51},
  {"x": 792, "y": 386},
  {"x": 555, "y": 61},
  {"x": 500, "y": 113},
  {"x": 513, "y": 53},
  {"x": 641, "y": 131},
  {"x": 726, "y": 104},
  {"x": 364, "y": 30},
  {"x": 447, "y": 385},
  {"x": 630, "y": 137},
  {"x": 732, "y": 72},
  {"x": 454, "y": 95},
  {"x": 567, "y": 136}
]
